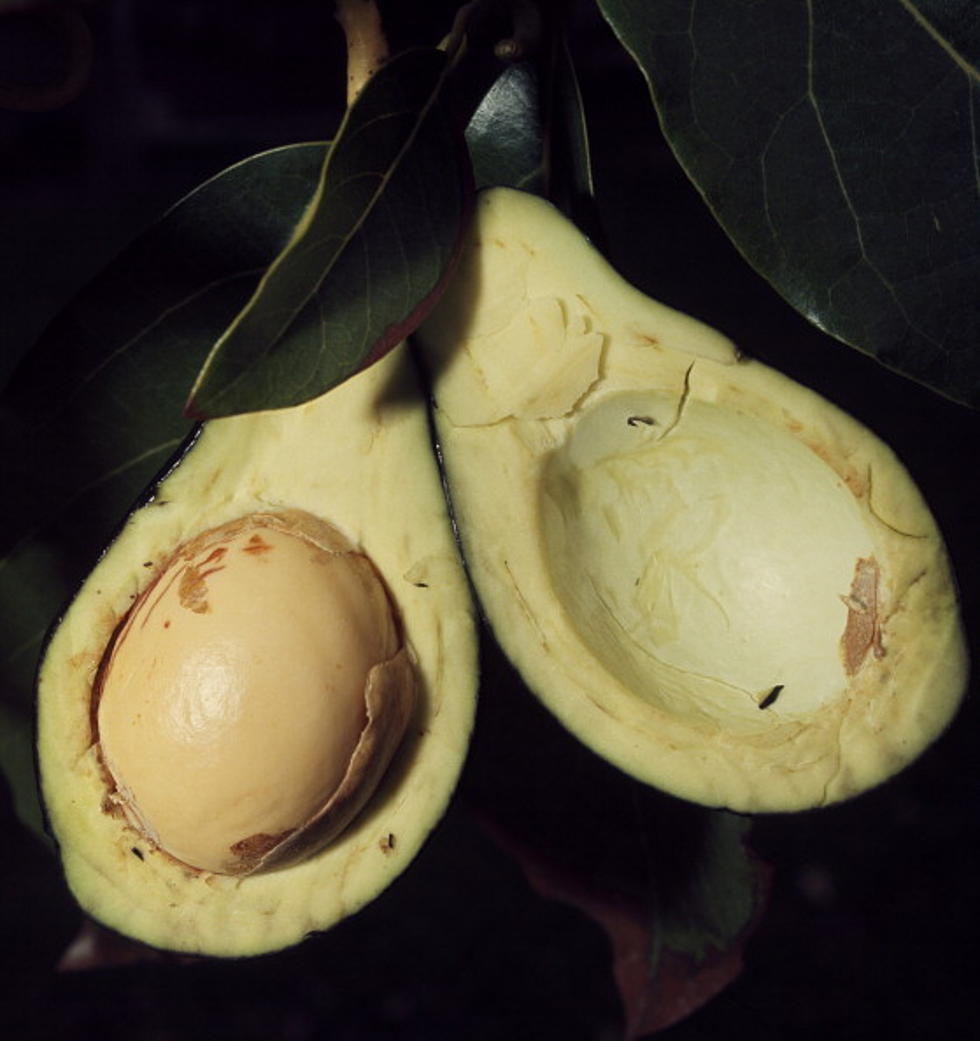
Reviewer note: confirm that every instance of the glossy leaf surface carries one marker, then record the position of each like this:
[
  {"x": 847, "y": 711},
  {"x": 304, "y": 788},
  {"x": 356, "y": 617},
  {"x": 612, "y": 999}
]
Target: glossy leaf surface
[
  {"x": 505, "y": 134},
  {"x": 371, "y": 249},
  {"x": 836, "y": 142}
]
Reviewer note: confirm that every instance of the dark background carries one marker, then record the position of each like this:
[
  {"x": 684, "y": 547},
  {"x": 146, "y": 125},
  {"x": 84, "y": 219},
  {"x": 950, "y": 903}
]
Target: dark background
[{"x": 871, "y": 927}]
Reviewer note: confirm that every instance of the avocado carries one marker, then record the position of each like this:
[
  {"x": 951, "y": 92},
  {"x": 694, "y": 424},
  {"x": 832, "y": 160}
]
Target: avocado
[
  {"x": 327, "y": 524},
  {"x": 712, "y": 576}
]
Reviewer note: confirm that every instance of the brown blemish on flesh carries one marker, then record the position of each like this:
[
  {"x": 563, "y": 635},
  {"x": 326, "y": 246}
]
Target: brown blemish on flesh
[
  {"x": 862, "y": 633},
  {"x": 643, "y": 339},
  {"x": 794, "y": 426},
  {"x": 192, "y": 591},
  {"x": 110, "y": 801},
  {"x": 857, "y": 483},
  {"x": 248, "y": 852},
  {"x": 256, "y": 545}
]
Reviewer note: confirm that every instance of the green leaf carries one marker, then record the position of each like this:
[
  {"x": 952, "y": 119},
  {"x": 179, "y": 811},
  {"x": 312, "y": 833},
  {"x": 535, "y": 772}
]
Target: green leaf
[
  {"x": 672, "y": 884},
  {"x": 708, "y": 909},
  {"x": 571, "y": 185},
  {"x": 94, "y": 410},
  {"x": 505, "y": 134},
  {"x": 836, "y": 142},
  {"x": 530, "y": 132},
  {"x": 954, "y": 24},
  {"x": 372, "y": 248},
  {"x": 17, "y": 765}
]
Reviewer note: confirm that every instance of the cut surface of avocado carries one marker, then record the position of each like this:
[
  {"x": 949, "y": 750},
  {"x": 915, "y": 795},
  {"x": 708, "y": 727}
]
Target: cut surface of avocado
[
  {"x": 358, "y": 459},
  {"x": 711, "y": 575}
]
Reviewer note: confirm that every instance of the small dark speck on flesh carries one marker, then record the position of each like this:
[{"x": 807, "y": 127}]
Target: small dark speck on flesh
[{"x": 770, "y": 698}]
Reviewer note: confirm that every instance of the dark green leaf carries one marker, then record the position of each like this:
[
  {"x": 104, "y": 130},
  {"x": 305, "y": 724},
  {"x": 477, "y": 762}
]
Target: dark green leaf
[
  {"x": 955, "y": 25},
  {"x": 836, "y": 143},
  {"x": 505, "y": 134},
  {"x": 17, "y": 765},
  {"x": 714, "y": 904},
  {"x": 672, "y": 884},
  {"x": 372, "y": 248},
  {"x": 94, "y": 410},
  {"x": 570, "y": 162},
  {"x": 38, "y": 918}
]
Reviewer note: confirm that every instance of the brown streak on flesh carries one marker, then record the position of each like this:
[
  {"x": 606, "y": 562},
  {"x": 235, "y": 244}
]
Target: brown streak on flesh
[
  {"x": 862, "y": 632},
  {"x": 192, "y": 591},
  {"x": 148, "y": 613},
  {"x": 248, "y": 852},
  {"x": 524, "y": 606},
  {"x": 111, "y": 805},
  {"x": 854, "y": 481},
  {"x": 793, "y": 425},
  {"x": 646, "y": 339},
  {"x": 256, "y": 546}
]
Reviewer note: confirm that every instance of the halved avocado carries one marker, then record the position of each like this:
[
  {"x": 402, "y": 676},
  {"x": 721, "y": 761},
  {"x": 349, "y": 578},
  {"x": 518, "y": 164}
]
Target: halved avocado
[
  {"x": 360, "y": 459},
  {"x": 712, "y": 576}
]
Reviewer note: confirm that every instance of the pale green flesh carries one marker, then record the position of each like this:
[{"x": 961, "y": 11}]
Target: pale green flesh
[
  {"x": 712, "y": 576},
  {"x": 360, "y": 458},
  {"x": 693, "y": 540}
]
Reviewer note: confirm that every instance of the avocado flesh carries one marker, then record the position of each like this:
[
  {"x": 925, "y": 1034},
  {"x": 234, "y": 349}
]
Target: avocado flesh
[
  {"x": 359, "y": 457},
  {"x": 712, "y": 576}
]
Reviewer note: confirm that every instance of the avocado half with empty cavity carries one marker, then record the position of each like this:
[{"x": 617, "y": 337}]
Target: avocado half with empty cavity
[
  {"x": 256, "y": 708},
  {"x": 711, "y": 575}
]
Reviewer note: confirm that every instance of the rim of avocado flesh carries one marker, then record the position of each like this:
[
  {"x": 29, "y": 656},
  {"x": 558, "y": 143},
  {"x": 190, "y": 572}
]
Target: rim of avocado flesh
[
  {"x": 360, "y": 458},
  {"x": 711, "y": 575}
]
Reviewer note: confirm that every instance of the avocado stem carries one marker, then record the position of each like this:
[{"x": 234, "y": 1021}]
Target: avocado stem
[{"x": 367, "y": 47}]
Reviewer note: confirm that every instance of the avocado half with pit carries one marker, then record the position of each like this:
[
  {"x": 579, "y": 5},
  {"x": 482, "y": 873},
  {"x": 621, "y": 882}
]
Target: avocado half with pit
[
  {"x": 256, "y": 708},
  {"x": 712, "y": 576}
]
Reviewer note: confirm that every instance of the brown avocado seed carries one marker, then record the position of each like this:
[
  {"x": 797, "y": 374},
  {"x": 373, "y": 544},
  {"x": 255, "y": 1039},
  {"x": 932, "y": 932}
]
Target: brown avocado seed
[{"x": 250, "y": 700}]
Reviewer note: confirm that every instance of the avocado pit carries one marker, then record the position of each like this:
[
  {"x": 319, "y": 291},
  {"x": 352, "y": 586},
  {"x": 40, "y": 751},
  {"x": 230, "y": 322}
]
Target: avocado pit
[{"x": 250, "y": 699}]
